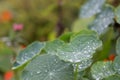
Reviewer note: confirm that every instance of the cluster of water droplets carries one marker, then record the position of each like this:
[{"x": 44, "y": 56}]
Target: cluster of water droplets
[
  {"x": 79, "y": 49},
  {"x": 102, "y": 70},
  {"x": 116, "y": 64},
  {"x": 103, "y": 20},
  {"x": 47, "y": 67},
  {"x": 82, "y": 65},
  {"x": 91, "y": 8},
  {"x": 31, "y": 51}
]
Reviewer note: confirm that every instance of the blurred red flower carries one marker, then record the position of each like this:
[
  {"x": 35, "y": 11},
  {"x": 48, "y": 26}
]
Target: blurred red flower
[
  {"x": 23, "y": 46},
  {"x": 112, "y": 57},
  {"x": 6, "y": 16},
  {"x": 8, "y": 75}
]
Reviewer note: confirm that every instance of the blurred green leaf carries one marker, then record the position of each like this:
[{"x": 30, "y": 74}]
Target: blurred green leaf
[
  {"x": 30, "y": 52},
  {"x": 91, "y": 8},
  {"x": 48, "y": 67},
  {"x": 118, "y": 46},
  {"x": 66, "y": 37},
  {"x": 6, "y": 54},
  {"x": 103, "y": 20},
  {"x": 107, "y": 45},
  {"x": 5, "y": 63},
  {"x": 117, "y": 14},
  {"x": 80, "y": 48},
  {"x": 81, "y": 24},
  {"x": 101, "y": 70}
]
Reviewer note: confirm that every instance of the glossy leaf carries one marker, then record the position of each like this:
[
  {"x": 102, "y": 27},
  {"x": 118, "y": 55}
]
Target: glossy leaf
[
  {"x": 117, "y": 14},
  {"x": 102, "y": 70},
  {"x": 48, "y": 67},
  {"x": 91, "y": 8},
  {"x": 82, "y": 47},
  {"x": 29, "y": 52},
  {"x": 103, "y": 20},
  {"x": 118, "y": 46},
  {"x": 116, "y": 64},
  {"x": 52, "y": 46}
]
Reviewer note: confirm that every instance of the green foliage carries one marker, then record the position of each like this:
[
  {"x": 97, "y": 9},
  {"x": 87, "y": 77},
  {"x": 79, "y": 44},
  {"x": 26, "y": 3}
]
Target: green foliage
[
  {"x": 34, "y": 49},
  {"x": 48, "y": 67},
  {"x": 81, "y": 45},
  {"x": 118, "y": 47},
  {"x": 89, "y": 10},
  {"x": 102, "y": 70},
  {"x": 5, "y": 57},
  {"x": 103, "y": 20},
  {"x": 81, "y": 24},
  {"x": 117, "y": 14},
  {"x": 73, "y": 55},
  {"x": 42, "y": 18},
  {"x": 117, "y": 64},
  {"x": 52, "y": 46}
]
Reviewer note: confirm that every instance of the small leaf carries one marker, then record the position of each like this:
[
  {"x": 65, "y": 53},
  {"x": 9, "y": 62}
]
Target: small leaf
[
  {"x": 103, "y": 20},
  {"x": 52, "y": 46},
  {"x": 82, "y": 24},
  {"x": 83, "y": 65},
  {"x": 66, "y": 37},
  {"x": 102, "y": 70},
  {"x": 118, "y": 46},
  {"x": 28, "y": 53},
  {"x": 48, "y": 67},
  {"x": 116, "y": 64},
  {"x": 91, "y": 8},
  {"x": 82, "y": 47},
  {"x": 117, "y": 14}
]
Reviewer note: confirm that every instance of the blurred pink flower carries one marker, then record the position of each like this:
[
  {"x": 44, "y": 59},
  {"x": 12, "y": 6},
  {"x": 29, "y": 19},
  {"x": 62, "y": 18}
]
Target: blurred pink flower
[{"x": 18, "y": 27}]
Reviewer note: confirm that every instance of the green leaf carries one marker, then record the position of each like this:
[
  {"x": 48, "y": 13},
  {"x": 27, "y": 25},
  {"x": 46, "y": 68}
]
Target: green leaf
[
  {"x": 6, "y": 54},
  {"x": 91, "y": 8},
  {"x": 5, "y": 64},
  {"x": 30, "y": 52},
  {"x": 48, "y": 67},
  {"x": 102, "y": 70},
  {"x": 115, "y": 77},
  {"x": 82, "y": 65},
  {"x": 66, "y": 37},
  {"x": 108, "y": 45},
  {"x": 52, "y": 46},
  {"x": 81, "y": 47},
  {"x": 82, "y": 24},
  {"x": 116, "y": 64},
  {"x": 103, "y": 20},
  {"x": 117, "y": 14},
  {"x": 118, "y": 46}
]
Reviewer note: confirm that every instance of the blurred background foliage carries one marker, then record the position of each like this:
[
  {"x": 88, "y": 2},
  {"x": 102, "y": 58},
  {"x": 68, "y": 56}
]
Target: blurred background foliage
[
  {"x": 42, "y": 20},
  {"x": 39, "y": 17}
]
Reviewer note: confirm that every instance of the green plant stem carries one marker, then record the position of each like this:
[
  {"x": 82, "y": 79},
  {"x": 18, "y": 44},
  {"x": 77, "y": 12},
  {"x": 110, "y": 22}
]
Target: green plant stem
[
  {"x": 17, "y": 75},
  {"x": 76, "y": 73}
]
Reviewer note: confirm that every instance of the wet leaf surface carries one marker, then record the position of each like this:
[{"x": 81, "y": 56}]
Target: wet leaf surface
[
  {"x": 101, "y": 70},
  {"x": 48, "y": 67},
  {"x": 91, "y": 8}
]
